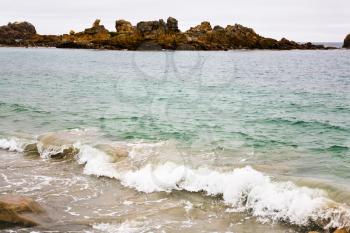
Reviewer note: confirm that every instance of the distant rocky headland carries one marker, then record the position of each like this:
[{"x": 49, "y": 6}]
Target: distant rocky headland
[
  {"x": 150, "y": 35},
  {"x": 347, "y": 42}
]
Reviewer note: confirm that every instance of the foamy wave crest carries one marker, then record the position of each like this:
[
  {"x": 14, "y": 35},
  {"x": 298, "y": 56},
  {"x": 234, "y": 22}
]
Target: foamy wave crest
[
  {"x": 96, "y": 162},
  {"x": 12, "y": 144},
  {"x": 245, "y": 189},
  {"x": 51, "y": 150},
  {"x": 242, "y": 189}
]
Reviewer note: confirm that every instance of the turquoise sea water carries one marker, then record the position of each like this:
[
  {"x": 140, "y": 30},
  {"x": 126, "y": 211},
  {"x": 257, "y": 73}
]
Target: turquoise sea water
[
  {"x": 286, "y": 113},
  {"x": 266, "y": 101}
]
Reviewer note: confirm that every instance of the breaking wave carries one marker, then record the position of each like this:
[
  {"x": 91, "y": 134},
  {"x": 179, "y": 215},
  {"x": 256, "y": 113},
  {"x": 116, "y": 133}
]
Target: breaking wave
[
  {"x": 241, "y": 189},
  {"x": 12, "y": 144}
]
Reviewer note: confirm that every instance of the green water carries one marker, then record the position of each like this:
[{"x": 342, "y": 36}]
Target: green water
[{"x": 288, "y": 109}]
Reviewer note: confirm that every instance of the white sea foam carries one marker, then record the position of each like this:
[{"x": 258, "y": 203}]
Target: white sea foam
[
  {"x": 12, "y": 144},
  {"x": 96, "y": 162},
  {"x": 125, "y": 227},
  {"x": 243, "y": 189},
  {"x": 48, "y": 151}
]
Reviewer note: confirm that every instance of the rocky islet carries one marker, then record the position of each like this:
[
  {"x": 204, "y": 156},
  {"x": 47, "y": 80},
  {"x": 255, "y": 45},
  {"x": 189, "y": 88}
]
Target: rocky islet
[{"x": 151, "y": 35}]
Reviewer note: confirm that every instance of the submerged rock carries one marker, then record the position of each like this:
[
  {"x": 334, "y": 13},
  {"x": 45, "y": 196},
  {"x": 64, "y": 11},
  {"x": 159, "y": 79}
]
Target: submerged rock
[
  {"x": 57, "y": 145},
  {"x": 22, "y": 211},
  {"x": 116, "y": 153},
  {"x": 347, "y": 42}
]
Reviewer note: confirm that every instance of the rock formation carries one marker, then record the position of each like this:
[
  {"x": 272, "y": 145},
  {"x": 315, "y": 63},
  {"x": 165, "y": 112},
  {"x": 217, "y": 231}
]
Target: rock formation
[
  {"x": 96, "y": 28},
  {"x": 172, "y": 25},
  {"x": 22, "y": 211},
  {"x": 123, "y": 26},
  {"x": 16, "y": 32},
  {"x": 347, "y": 42},
  {"x": 150, "y": 35}
]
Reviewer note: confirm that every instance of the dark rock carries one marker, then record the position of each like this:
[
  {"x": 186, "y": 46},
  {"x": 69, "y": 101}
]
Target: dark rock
[
  {"x": 287, "y": 44},
  {"x": 172, "y": 25},
  {"x": 72, "y": 44},
  {"x": 347, "y": 42},
  {"x": 185, "y": 47},
  {"x": 151, "y": 26},
  {"x": 218, "y": 28},
  {"x": 149, "y": 46},
  {"x": 17, "y": 31},
  {"x": 268, "y": 43},
  {"x": 150, "y": 30},
  {"x": 123, "y": 26}
]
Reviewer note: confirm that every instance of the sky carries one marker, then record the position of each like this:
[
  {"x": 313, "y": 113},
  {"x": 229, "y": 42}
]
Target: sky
[{"x": 299, "y": 20}]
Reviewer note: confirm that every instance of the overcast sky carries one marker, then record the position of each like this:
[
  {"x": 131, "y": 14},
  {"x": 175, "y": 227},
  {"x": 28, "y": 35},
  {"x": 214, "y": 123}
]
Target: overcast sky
[{"x": 300, "y": 20}]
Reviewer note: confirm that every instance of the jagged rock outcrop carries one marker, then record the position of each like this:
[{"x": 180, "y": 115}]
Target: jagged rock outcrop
[
  {"x": 95, "y": 37},
  {"x": 151, "y": 35},
  {"x": 347, "y": 42},
  {"x": 172, "y": 25},
  {"x": 123, "y": 26},
  {"x": 96, "y": 28},
  {"x": 204, "y": 27},
  {"x": 151, "y": 29},
  {"x": 21, "y": 211},
  {"x": 16, "y": 32}
]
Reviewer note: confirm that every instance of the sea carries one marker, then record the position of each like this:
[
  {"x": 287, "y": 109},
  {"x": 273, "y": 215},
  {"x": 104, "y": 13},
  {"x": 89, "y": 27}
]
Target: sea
[{"x": 191, "y": 141}]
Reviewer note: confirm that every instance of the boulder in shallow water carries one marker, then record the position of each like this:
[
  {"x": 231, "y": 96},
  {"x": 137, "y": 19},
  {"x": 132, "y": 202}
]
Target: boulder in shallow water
[
  {"x": 116, "y": 153},
  {"x": 22, "y": 211},
  {"x": 342, "y": 230},
  {"x": 57, "y": 145},
  {"x": 347, "y": 42}
]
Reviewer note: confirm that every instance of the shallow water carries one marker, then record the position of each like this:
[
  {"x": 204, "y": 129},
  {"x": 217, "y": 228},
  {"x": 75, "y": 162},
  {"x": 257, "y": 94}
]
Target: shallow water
[{"x": 212, "y": 137}]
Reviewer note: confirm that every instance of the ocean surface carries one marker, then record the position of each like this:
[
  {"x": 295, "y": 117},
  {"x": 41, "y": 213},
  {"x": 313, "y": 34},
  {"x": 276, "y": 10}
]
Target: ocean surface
[{"x": 120, "y": 141}]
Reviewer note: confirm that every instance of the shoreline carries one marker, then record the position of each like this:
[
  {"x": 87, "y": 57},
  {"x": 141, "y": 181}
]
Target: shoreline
[
  {"x": 150, "y": 185},
  {"x": 164, "y": 50}
]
